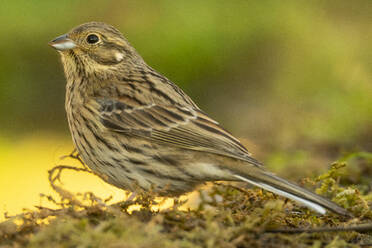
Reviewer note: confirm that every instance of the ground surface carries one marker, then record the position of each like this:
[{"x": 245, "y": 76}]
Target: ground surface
[{"x": 227, "y": 216}]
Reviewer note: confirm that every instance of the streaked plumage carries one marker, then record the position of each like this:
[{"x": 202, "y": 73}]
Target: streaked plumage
[{"x": 136, "y": 128}]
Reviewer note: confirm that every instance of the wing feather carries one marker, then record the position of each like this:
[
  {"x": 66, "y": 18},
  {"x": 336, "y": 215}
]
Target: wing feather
[{"x": 184, "y": 127}]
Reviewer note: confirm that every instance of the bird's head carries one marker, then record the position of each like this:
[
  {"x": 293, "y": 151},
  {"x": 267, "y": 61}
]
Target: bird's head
[{"x": 95, "y": 47}]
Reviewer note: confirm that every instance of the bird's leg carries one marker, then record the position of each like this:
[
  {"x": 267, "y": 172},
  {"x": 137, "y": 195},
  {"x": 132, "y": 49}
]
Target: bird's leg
[
  {"x": 127, "y": 202},
  {"x": 131, "y": 197}
]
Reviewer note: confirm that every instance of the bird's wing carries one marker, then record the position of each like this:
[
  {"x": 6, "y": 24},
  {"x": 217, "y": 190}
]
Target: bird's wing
[{"x": 184, "y": 127}]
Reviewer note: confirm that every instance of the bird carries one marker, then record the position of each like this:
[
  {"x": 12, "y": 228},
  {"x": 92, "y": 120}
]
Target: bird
[{"x": 139, "y": 130}]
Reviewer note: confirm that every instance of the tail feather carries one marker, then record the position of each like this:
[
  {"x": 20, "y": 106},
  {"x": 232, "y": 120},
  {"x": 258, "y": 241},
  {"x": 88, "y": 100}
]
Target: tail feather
[
  {"x": 309, "y": 204},
  {"x": 277, "y": 185}
]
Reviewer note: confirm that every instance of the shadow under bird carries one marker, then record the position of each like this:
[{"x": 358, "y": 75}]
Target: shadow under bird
[{"x": 136, "y": 128}]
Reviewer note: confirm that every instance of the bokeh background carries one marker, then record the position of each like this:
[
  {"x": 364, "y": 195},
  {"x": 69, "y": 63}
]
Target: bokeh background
[{"x": 291, "y": 79}]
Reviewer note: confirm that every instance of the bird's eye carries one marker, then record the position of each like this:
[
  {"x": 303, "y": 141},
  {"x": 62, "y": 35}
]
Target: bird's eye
[{"x": 92, "y": 39}]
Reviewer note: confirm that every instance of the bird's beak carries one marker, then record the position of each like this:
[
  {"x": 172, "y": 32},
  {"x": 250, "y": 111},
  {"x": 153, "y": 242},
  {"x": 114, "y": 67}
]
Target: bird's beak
[{"x": 62, "y": 43}]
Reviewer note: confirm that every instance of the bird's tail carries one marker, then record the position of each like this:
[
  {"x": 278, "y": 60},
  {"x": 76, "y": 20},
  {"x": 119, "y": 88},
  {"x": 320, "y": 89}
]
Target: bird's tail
[{"x": 266, "y": 180}]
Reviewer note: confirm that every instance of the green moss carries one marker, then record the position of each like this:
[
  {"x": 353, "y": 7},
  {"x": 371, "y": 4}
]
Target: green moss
[
  {"x": 121, "y": 231},
  {"x": 227, "y": 216}
]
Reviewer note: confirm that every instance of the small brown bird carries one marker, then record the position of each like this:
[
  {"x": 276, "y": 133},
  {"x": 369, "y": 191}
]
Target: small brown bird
[{"x": 136, "y": 128}]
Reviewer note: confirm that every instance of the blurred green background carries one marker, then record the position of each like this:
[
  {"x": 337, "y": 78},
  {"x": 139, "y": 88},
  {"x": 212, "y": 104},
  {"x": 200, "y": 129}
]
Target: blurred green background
[{"x": 291, "y": 79}]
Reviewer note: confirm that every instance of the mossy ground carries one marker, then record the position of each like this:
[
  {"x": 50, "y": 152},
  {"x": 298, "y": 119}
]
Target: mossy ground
[{"x": 227, "y": 216}]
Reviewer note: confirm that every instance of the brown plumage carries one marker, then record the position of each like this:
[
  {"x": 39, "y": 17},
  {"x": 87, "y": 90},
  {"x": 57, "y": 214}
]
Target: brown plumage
[{"x": 137, "y": 129}]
